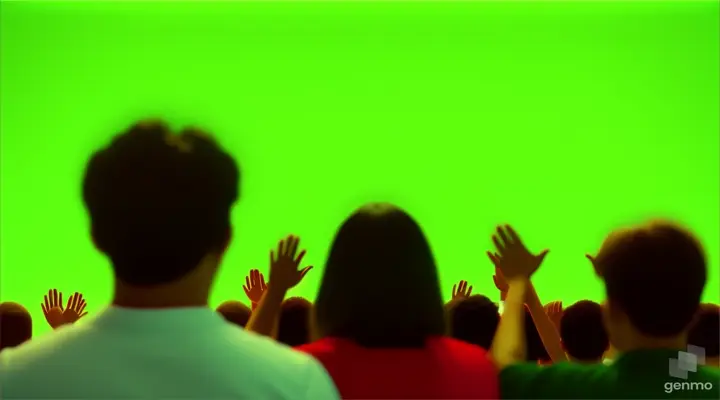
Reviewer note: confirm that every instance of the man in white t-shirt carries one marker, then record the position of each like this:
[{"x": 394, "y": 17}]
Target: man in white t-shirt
[{"x": 159, "y": 208}]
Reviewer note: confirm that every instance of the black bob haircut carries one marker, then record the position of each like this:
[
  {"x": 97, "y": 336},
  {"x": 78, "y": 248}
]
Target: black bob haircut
[
  {"x": 159, "y": 202},
  {"x": 380, "y": 286}
]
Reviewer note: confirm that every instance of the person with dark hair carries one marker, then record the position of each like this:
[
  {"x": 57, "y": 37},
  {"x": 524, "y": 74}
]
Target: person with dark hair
[
  {"x": 654, "y": 276},
  {"x": 294, "y": 324},
  {"x": 473, "y": 320},
  {"x": 235, "y": 312},
  {"x": 15, "y": 325},
  {"x": 379, "y": 316},
  {"x": 159, "y": 205},
  {"x": 583, "y": 334},
  {"x": 705, "y": 333}
]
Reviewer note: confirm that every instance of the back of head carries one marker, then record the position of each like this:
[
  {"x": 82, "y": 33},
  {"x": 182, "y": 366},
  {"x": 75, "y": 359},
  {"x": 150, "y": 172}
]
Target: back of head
[
  {"x": 15, "y": 325},
  {"x": 380, "y": 286},
  {"x": 705, "y": 331},
  {"x": 533, "y": 343},
  {"x": 293, "y": 327},
  {"x": 583, "y": 332},
  {"x": 160, "y": 202},
  {"x": 655, "y": 274},
  {"x": 235, "y": 312},
  {"x": 473, "y": 320}
]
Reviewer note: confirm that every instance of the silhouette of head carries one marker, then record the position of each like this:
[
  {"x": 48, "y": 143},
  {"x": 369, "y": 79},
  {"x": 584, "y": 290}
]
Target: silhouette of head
[
  {"x": 654, "y": 276},
  {"x": 473, "y": 320},
  {"x": 235, "y": 312},
  {"x": 705, "y": 333},
  {"x": 583, "y": 333},
  {"x": 534, "y": 345},
  {"x": 15, "y": 325},
  {"x": 160, "y": 202},
  {"x": 294, "y": 324},
  {"x": 380, "y": 286}
]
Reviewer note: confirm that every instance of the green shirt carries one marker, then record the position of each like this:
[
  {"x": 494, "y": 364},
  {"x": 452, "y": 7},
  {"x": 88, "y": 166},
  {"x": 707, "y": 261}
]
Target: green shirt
[{"x": 635, "y": 375}]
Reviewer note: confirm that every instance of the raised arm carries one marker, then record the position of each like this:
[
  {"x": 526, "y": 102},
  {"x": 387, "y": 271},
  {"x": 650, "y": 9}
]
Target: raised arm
[
  {"x": 517, "y": 264},
  {"x": 546, "y": 328},
  {"x": 284, "y": 275}
]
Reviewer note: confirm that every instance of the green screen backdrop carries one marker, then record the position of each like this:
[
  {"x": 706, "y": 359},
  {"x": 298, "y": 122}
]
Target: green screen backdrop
[{"x": 564, "y": 119}]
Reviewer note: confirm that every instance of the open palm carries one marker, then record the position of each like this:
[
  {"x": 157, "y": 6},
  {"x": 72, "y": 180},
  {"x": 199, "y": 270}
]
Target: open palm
[
  {"x": 512, "y": 258},
  {"x": 285, "y": 264}
]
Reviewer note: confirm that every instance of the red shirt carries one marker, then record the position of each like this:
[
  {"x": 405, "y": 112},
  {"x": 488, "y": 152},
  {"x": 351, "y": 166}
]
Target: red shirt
[{"x": 445, "y": 369}]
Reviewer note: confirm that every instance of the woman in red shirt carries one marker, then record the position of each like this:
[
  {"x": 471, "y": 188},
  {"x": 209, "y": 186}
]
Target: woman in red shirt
[{"x": 379, "y": 317}]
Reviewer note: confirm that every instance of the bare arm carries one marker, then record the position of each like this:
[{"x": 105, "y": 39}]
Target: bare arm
[
  {"x": 548, "y": 333},
  {"x": 508, "y": 346},
  {"x": 263, "y": 319}
]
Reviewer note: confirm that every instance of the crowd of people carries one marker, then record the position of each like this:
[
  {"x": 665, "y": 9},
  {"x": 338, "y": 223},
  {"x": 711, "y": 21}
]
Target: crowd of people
[{"x": 159, "y": 204}]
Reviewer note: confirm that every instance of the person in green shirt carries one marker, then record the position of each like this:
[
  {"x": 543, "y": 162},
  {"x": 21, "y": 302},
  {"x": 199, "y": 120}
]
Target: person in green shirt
[{"x": 654, "y": 276}]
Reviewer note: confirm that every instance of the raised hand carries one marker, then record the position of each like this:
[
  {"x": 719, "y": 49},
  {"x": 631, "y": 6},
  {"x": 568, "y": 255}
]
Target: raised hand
[
  {"x": 58, "y": 316},
  {"x": 52, "y": 308},
  {"x": 284, "y": 264},
  {"x": 75, "y": 309},
  {"x": 554, "y": 311},
  {"x": 461, "y": 290},
  {"x": 500, "y": 282},
  {"x": 512, "y": 257},
  {"x": 254, "y": 286}
]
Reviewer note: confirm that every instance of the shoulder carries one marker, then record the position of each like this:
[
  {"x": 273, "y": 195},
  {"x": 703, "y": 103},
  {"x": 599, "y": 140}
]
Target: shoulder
[
  {"x": 39, "y": 350},
  {"x": 298, "y": 371},
  {"x": 459, "y": 350},
  {"x": 529, "y": 380}
]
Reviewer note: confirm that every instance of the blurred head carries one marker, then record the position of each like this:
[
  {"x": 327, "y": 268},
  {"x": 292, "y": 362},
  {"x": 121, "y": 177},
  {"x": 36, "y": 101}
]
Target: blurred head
[
  {"x": 705, "y": 333},
  {"x": 654, "y": 276},
  {"x": 473, "y": 320},
  {"x": 583, "y": 333},
  {"x": 380, "y": 286},
  {"x": 534, "y": 345},
  {"x": 15, "y": 325},
  {"x": 235, "y": 312},
  {"x": 293, "y": 327},
  {"x": 159, "y": 204}
]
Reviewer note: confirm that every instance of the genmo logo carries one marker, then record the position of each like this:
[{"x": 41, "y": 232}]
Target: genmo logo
[{"x": 687, "y": 386}]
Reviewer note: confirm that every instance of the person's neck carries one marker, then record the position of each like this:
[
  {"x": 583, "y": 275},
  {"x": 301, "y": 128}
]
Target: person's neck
[
  {"x": 165, "y": 296},
  {"x": 644, "y": 342}
]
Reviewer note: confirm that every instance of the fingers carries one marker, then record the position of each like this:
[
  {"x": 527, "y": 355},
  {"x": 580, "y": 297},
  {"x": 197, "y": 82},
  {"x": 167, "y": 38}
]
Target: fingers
[
  {"x": 300, "y": 256},
  {"x": 56, "y": 301},
  {"x": 69, "y": 302},
  {"x": 512, "y": 235},
  {"x": 262, "y": 280},
  {"x": 294, "y": 241},
  {"x": 469, "y": 291},
  {"x": 272, "y": 257},
  {"x": 247, "y": 282},
  {"x": 305, "y": 271},
  {"x": 504, "y": 236},
  {"x": 47, "y": 303},
  {"x": 454, "y": 292},
  {"x": 498, "y": 244},
  {"x": 281, "y": 249},
  {"x": 81, "y": 308},
  {"x": 43, "y": 308},
  {"x": 542, "y": 255},
  {"x": 82, "y": 315},
  {"x": 494, "y": 259},
  {"x": 247, "y": 291}
]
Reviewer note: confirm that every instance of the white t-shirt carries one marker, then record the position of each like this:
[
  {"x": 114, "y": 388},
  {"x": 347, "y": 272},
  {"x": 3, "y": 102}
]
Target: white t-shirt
[{"x": 182, "y": 353}]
